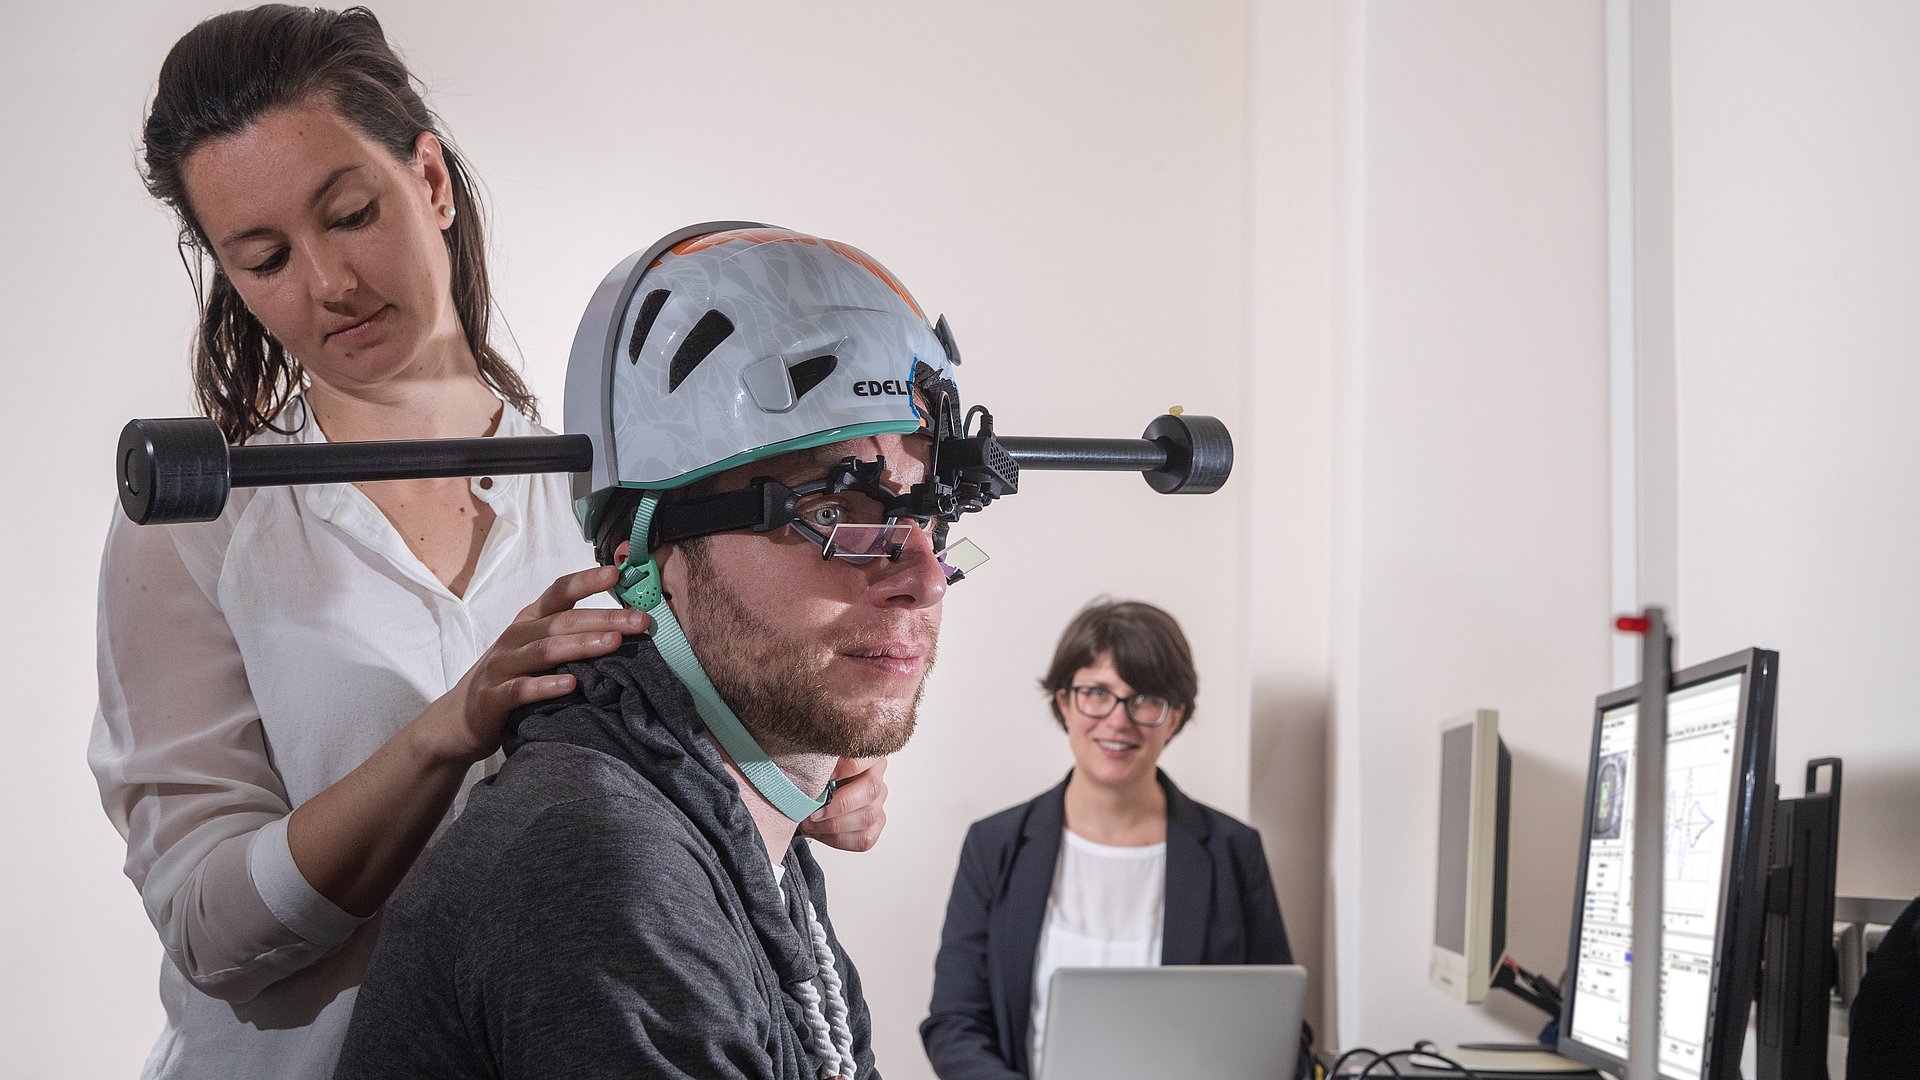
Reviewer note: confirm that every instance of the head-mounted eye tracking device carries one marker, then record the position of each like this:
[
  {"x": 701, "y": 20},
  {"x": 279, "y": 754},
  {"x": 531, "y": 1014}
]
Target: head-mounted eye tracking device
[
  {"x": 766, "y": 505},
  {"x": 965, "y": 473}
]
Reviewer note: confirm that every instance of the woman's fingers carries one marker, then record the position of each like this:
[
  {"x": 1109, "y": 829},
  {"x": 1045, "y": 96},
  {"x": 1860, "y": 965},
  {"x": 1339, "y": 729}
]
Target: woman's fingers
[
  {"x": 501, "y": 698},
  {"x": 568, "y": 590},
  {"x": 509, "y": 695},
  {"x": 531, "y": 629},
  {"x": 874, "y": 768},
  {"x": 851, "y": 830},
  {"x": 518, "y": 668},
  {"x": 562, "y": 647},
  {"x": 854, "y": 818}
]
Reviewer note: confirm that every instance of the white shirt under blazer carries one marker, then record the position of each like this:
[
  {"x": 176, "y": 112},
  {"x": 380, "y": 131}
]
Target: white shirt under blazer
[{"x": 1105, "y": 910}]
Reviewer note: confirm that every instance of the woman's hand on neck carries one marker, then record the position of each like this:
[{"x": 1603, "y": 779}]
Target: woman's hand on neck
[
  {"x": 1134, "y": 816},
  {"x": 809, "y": 772}
]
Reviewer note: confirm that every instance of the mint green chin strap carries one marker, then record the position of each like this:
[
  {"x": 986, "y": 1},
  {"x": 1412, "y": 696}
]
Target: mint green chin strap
[{"x": 639, "y": 587}]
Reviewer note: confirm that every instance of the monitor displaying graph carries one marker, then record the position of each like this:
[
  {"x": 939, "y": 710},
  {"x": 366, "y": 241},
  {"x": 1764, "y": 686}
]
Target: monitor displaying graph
[{"x": 1718, "y": 774}]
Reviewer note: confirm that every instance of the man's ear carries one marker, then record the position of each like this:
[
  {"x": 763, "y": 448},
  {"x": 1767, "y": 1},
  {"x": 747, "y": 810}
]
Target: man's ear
[
  {"x": 620, "y": 553},
  {"x": 673, "y": 569}
]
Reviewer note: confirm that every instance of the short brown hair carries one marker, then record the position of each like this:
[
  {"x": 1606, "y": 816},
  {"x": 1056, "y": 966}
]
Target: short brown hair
[{"x": 1147, "y": 647}]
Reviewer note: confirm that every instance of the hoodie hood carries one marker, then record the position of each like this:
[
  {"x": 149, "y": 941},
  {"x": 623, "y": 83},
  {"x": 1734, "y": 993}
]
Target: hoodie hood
[{"x": 630, "y": 706}]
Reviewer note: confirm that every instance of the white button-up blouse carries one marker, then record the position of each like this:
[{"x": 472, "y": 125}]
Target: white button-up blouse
[{"x": 246, "y": 664}]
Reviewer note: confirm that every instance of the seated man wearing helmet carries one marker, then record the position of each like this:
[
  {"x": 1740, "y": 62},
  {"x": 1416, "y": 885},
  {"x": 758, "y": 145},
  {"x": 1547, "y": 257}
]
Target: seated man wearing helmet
[{"x": 627, "y": 896}]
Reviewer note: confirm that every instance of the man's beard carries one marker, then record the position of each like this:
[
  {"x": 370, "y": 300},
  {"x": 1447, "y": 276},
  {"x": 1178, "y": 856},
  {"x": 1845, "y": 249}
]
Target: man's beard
[{"x": 765, "y": 674}]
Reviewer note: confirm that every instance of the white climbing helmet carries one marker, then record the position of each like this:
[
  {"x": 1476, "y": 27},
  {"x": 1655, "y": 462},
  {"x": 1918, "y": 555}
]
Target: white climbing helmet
[{"x": 730, "y": 342}]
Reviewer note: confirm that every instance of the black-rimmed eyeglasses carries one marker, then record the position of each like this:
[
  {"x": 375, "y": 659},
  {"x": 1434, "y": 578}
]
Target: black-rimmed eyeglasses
[{"x": 1098, "y": 703}]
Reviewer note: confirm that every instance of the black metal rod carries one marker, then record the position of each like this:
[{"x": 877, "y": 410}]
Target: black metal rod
[
  {"x": 1086, "y": 455},
  {"x": 181, "y": 469},
  {"x": 407, "y": 459}
]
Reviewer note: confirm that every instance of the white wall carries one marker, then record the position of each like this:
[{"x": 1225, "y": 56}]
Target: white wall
[
  {"x": 1470, "y": 528},
  {"x": 1285, "y": 448},
  {"x": 1797, "y": 260},
  {"x": 96, "y": 308},
  {"x": 1066, "y": 181}
]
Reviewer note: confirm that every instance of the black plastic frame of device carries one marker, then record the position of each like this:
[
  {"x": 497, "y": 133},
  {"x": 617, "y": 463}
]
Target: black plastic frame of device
[
  {"x": 1797, "y": 961},
  {"x": 1502, "y": 799},
  {"x": 1743, "y": 874}
]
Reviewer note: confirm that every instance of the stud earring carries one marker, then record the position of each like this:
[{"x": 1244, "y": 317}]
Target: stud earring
[{"x": 447, "y": 211}]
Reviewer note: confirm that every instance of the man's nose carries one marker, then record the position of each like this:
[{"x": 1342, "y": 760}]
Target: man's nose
[{"x": 914, "y": 580}]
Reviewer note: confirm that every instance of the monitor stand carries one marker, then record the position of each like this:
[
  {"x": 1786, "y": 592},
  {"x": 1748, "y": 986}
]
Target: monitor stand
[{"x": 1485, "y": 1059}]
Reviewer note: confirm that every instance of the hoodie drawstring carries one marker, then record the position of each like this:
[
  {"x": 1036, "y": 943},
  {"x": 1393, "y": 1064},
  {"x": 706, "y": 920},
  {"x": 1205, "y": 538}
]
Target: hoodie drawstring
[{"x": 832, "y": 1038}]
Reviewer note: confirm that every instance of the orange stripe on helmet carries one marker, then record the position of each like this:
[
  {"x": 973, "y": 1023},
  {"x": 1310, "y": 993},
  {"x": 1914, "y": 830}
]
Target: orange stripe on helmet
[
  {"x": 749, "y": 236},
  {"x": 886, "y": 278},
  {"x": 774, "y": 236}
]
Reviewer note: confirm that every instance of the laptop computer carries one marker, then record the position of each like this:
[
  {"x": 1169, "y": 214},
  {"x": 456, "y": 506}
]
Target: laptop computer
[{"x": 1218, "y": 1022}]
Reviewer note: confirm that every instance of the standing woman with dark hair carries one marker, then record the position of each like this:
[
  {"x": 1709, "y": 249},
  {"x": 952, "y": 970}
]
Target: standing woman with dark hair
[
  {"x": 294, "y": 697},
  {"x": 1114, "y": 866}
]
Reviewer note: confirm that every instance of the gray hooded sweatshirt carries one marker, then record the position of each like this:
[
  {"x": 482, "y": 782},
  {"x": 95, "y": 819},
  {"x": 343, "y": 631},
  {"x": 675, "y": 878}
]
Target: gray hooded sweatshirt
[{"x": 603, "y": 908}]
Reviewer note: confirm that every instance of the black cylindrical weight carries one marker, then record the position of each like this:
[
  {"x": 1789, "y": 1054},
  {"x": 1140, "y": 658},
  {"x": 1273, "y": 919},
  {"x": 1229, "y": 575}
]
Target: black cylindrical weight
[
  {"x": 1199, "y": 454},
  {"x": 172, "y": 470}
]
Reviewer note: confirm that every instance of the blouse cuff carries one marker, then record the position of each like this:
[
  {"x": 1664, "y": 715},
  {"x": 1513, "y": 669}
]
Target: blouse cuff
[{"x": 298, "y": 906}]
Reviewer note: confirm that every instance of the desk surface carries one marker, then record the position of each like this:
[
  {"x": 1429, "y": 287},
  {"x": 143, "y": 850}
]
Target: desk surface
[{"x": 1483, "y": 1064}]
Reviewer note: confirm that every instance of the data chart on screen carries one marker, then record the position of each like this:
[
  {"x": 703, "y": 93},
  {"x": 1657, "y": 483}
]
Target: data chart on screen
[{"x": 1702, "y": 738}]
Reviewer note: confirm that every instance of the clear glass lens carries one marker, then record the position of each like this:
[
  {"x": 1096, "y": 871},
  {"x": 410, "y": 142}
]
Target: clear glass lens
[
  {"x": 962, "y": 557},
  {"x": 1147, "y": 710},
  {"x": 854, "y": 541},
  {"x": 859, "y": 543}
]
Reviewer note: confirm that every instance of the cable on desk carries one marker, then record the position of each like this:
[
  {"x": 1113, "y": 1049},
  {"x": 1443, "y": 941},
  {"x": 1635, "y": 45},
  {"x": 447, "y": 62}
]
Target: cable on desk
[
  {"x": 1334, "y": 1071},
  {"x": 1379, "y": 1059}
]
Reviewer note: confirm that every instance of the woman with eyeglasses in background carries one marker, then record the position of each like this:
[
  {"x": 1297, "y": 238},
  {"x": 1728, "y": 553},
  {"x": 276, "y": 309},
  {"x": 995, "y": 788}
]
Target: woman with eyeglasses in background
[{"x": 1112, "y": 867}]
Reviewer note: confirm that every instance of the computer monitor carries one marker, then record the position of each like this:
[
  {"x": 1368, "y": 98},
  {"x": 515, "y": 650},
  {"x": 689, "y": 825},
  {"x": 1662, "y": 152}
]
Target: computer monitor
[
  {"x": 1797, "y": 962},
  {"x": 1470, "y": 878},
  {"x": 1719, "y": 805}
]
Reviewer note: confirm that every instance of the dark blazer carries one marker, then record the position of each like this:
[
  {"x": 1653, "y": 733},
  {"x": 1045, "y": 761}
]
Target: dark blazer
[{"x": 1220, "y": 909}]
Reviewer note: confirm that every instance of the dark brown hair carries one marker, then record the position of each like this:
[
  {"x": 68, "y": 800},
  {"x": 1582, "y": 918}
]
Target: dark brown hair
[
  {"x": 1147, "y": 647},
  {"x": 221, "y": 78}
]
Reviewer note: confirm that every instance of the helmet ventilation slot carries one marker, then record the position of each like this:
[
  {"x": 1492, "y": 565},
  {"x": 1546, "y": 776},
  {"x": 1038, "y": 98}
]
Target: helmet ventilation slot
[
  {"x": 706, "y": 336},
  {"x": 810, "y": 373},
  {"x": 649, "y": 311}
]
